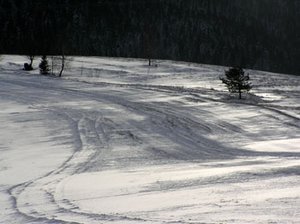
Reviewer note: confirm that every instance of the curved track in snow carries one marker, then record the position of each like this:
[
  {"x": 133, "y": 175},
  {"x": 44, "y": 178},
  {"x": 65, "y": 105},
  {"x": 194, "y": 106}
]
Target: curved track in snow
[{"x": 160, "y": 142}]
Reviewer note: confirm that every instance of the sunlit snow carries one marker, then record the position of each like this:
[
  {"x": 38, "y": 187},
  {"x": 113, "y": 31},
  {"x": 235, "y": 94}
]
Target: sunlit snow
[{"x": 117, "y": 141}]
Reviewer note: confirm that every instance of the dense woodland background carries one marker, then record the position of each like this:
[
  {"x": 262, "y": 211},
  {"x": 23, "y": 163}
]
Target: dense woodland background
[{"x": 258, "y": 34}]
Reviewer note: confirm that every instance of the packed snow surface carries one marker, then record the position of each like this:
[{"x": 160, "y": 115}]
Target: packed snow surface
[{"x": 117, "y": 141}]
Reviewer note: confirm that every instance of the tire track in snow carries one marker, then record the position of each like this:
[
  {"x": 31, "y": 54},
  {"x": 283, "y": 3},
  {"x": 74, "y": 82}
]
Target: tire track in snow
[
  {"x": 63, "y": 208},
  {"x": 33, "y": 188},
  {"x": 62, "y": 211},
  {"x": 26, "y": 195},
  {"x": 35, "y": 199},
  {"x": 135, "y": 106}
]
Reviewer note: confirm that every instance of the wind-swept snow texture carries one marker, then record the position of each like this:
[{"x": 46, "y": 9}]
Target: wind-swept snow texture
[{"x": 117, "y": 141}]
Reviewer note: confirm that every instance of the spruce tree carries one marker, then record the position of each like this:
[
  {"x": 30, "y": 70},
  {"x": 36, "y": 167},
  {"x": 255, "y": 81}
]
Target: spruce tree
[
  {"x": 44, "y": 66},
  {"x": 236, "y": 81}
]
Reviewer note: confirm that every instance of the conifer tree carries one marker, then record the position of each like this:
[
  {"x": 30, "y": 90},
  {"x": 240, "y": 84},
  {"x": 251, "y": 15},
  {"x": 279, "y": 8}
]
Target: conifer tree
[
  {"x": 44, "y": 66},
  {"x": 236, "y": 81}
]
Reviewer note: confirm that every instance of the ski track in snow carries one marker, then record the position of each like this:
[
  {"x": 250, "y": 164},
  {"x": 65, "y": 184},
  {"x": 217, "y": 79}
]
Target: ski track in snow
[{"x": 175, "y": 153}]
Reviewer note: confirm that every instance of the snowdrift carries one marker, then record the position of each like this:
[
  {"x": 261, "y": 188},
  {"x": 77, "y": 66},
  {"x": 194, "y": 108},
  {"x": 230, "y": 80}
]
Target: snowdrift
[{"x": 117, "y": 141}]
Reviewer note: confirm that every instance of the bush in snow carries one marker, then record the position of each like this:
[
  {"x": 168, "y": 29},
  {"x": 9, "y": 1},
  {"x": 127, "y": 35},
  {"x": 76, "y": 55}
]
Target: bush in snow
[{"x": 28, "y": 67}]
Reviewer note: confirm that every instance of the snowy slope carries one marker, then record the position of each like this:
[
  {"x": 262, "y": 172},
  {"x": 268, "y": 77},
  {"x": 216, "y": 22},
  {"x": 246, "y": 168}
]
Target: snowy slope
[{"x": 116, "y": 141}]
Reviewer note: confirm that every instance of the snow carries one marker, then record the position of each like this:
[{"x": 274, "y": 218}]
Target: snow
[{"x": 117, "y": 141}]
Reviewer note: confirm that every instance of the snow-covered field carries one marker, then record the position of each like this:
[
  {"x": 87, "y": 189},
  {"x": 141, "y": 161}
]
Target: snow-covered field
[{"x": 116, "y": 141}]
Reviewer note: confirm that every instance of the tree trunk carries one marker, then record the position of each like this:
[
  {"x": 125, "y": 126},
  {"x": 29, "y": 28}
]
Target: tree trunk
[
  {"x": 149, "y": 61},
  {"x": 62, "y": 65},
  {"x": 31, "y": 60},
  {"x": 52, "y": 71},
  {"x": 240, "y": 94}
]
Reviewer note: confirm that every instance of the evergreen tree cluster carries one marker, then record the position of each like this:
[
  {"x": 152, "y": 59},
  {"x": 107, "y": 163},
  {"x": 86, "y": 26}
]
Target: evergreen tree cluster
[{"x": 258, "y": 34}]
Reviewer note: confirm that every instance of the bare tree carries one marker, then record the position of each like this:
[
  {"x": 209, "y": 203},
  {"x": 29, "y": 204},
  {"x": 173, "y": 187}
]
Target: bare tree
[
  {"x": 59, "y": 64},
  {"x": 55, "y": 64},
  {"x": 149, "y": 42},
  {"x": 62, "y": 65},
  {"x": 31, "y": 58},
  {"x": 28, "y": 67}
]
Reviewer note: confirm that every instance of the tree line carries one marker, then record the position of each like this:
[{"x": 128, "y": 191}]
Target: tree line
[{"x": 257, "y": 34}]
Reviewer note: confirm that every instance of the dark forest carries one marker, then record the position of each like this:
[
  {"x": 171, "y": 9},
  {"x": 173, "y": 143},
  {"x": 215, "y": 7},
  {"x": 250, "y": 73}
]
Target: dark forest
[{"x": 257, "y": 34}]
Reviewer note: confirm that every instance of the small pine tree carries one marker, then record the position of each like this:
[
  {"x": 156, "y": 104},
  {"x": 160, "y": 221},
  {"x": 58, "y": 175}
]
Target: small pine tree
[
  {"x": 236, "y": 81},
  {"x": 44, "y": 66}
]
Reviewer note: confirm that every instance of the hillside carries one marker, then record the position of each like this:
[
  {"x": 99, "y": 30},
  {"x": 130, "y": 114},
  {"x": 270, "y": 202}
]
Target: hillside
[
  {"x": 117, "y": 141},
  {"x": 256, "y": 34}
]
